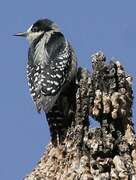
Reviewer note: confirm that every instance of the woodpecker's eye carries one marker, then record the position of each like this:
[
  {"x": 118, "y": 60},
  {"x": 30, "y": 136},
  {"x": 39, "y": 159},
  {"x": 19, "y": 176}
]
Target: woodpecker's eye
[{"x": 34, "y": 29}]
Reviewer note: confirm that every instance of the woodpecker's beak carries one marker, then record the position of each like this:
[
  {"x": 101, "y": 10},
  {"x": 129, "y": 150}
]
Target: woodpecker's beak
[{"x": 23, "y": 34}]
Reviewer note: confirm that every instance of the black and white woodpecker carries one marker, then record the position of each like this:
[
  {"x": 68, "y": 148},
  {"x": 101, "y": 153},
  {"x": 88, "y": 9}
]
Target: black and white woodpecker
[{"x": 51, "y": 65}]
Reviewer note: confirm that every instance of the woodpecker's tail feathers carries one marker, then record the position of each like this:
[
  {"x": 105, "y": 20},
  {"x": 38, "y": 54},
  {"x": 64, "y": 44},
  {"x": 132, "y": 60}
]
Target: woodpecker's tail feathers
[{"x": 57, "y": 123}]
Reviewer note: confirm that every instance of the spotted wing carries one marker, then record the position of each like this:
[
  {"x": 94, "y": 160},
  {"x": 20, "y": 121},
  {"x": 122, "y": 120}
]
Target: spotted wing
[{"x": 47, "y": 80}]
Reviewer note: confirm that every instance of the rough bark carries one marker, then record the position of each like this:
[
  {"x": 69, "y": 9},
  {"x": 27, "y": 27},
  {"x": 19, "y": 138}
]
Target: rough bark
[{"x": 104, "y": 153}]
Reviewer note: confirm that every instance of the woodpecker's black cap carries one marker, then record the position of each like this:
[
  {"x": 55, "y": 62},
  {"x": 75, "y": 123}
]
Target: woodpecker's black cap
[{"x": 42, "y": 25}]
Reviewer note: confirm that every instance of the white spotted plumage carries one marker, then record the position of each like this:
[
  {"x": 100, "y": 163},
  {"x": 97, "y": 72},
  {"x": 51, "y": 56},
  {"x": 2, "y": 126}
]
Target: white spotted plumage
[{"x": 49, "y": 67}]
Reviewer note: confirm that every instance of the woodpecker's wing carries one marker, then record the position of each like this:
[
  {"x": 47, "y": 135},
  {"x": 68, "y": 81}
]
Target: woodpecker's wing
[
  {"x": 47, "y": 79},
  {"x": 56, "y": 73}
]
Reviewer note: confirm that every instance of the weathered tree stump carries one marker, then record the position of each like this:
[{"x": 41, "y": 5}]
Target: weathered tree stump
[{"x": 104, "y": 153}]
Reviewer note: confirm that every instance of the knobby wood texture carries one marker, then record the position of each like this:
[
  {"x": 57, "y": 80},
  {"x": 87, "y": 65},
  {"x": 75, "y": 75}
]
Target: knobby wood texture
[{"x": 104, "y": 153}]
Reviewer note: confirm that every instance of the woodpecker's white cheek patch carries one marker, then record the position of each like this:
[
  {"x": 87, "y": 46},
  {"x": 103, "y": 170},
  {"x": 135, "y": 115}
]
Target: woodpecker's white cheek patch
[{"x": 33, "y": 35}]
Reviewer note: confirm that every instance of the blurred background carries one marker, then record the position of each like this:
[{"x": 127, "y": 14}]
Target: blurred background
[{"x": 90, "y": 26}]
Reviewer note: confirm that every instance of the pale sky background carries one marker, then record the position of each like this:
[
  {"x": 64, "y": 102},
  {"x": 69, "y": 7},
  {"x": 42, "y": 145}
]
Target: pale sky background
[{"x": 90, "y": 25}]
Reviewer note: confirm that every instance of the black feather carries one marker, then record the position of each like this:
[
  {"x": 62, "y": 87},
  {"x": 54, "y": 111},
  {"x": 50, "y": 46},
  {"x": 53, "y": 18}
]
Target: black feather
[
  {"x": 42, "y": 25},
  {"x": 55, "y": 44}
]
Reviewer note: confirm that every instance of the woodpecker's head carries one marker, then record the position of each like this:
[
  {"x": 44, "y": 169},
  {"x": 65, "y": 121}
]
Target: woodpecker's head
[{"x": 39, "y": 28}]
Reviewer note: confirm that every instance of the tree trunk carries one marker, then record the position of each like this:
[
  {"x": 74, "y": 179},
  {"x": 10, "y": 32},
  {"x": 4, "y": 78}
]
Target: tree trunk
[{"x": 104, "y": 153}]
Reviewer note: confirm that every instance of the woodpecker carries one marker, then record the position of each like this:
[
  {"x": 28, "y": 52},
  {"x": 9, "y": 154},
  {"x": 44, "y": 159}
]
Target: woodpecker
[{"x": 52, "y": 63}]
